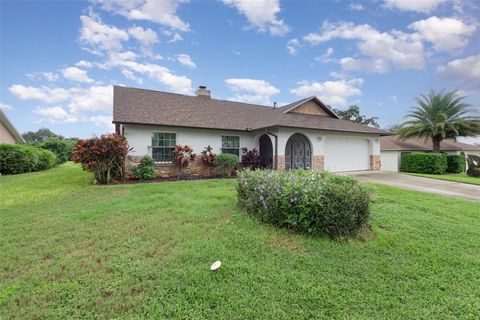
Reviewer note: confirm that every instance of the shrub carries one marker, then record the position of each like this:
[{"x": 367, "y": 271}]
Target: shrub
[
  {"x": 251, "y": 159},
  {"x": 46, "y": 160},
  {"x": 104, "y": 156},
  {"x": 182, "y": 156},
  {"x": 314, "y": 202},
  {"x": 61, "y": 148},
  {"x": 145, "y": 170},
  {"x": 208, "y": 158},
  {"x": 226, "y": 162},
  {"x": 422, "y": 162},
  {"x": 455, "y": 163},
  {"x": 473, "y": 166},
  {"x": 21, "y": 158}
]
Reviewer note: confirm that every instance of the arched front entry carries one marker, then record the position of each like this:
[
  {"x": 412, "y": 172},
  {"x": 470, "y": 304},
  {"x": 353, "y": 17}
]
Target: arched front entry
[
  {"x": 298, "y": 152},
  {"x": 266, "y": 152}
]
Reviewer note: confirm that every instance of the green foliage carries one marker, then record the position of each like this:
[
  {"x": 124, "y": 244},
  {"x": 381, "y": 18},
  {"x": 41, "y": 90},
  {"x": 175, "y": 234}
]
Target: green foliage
[
  {"x": 145, "y": 170},
  {"x": 39, "y": 136},
  {"x": 61, "y": 148},
  {"x": 423, "y": 162},
  {"x": 21, "y": 158},
  {"x": 440, "y": 116},
  {"x": 104, "y": 156},
  {"x": 226, "y": 162},
  {"x": 455, "y": 163},
  {"x": 353, "y": 114},
  {"x": 307, "y": 201},
  {"x": 46, "y": 160}
]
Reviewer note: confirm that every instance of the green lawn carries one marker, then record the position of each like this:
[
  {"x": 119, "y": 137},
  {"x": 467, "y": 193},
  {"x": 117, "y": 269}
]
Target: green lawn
[
  {"x": 455, "y": 177},
  {"x": 70, "y": 249}
]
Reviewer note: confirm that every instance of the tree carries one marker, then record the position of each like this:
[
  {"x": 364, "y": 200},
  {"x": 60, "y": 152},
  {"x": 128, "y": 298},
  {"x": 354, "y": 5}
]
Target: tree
[
  {"x": 353, "y": 114},
  {"x": 39, "y": 136},
  {"x": 438, "y": 116},
  {"x": 392, "y": 128}
]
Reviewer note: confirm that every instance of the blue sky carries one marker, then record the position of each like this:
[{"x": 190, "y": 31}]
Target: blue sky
[{"x": 59, "y": 59}]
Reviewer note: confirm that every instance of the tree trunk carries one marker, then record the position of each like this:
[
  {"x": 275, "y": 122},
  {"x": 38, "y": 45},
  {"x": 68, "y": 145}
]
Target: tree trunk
[{"x": 436, "y": 144}]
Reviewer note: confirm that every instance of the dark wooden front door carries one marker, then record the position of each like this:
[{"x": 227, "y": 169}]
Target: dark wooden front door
[{"x": 298, "y": 152}]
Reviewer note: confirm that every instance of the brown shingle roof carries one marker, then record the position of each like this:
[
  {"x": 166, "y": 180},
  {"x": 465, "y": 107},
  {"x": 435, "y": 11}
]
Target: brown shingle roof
[
  {"x": 414, "y": 144},
  {"x": 132, "y": 105}
]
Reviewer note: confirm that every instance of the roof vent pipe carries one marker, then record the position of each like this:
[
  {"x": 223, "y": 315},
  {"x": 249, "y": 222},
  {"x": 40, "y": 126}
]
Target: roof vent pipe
[
  {"x": 275, "y": 105},
  {"x": 202, "y": 92}
]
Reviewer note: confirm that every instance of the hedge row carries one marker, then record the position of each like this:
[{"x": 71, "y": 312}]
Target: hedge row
[
  {"x": 423, "y": 162},
  {"x": 21, "y": 158},
  {"x": 306, "y": 201},
  {"x": 455, "y": 163}
]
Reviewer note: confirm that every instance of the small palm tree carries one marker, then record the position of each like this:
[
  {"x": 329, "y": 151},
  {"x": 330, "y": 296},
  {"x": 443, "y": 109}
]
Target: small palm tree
[{"x": 440, "y": 116}]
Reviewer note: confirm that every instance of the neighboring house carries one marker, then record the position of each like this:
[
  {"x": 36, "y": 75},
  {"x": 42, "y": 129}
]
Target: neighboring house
[
  {"x": 304, "y": 134},
  {"x": 393, "y": 148},
  {"x": 8, "y": 133}
]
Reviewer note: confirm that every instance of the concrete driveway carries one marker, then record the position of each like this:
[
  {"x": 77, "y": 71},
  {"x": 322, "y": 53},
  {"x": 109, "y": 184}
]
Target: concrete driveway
[{"x": 447, "y": 188}]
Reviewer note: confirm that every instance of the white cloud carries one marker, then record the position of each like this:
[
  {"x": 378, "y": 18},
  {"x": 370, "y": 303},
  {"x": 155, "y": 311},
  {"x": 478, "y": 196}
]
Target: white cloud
[
  {"x": 425, "y": 6},
  {"x": 395, "y": 48},
  {"x": 76, "y": 74},
  {"x": 293, "y": 45},
  {"x": 356, "y": 7},
  {"x": 326, "y": 57},
  {"x": 131, "y": 76},
  {"x": 4, "y": 106},
  {"x": 366, "y": 65},
  {"x": 176, "y": 38},
  {"x": 45, "y": 94},
  {"x": 49, "y": 76},
  {"x": 186, "y": 60},
  {"x": 465, "y": 71},
  {"x": 98, "y": 37},
  {"x": 84, "y": 64},
  {"x": 446, "y": 34},
  {"x": 251, "y": 90},
  {"x": 162, "y": 12},
  {"x": 261, "y": 14},
  {"x": 103, "y": 121},
  {"x": 146, "y": 37},
  {"x": 335, "y": 93},
  {"x": 56, "y": 114}
]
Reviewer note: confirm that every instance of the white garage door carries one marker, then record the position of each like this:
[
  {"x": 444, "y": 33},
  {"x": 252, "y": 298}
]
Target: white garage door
[{"x": 346, "y": 154}]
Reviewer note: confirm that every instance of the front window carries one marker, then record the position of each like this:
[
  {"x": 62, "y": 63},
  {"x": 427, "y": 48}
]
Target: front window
[
  {"x": 231, "y": 144},
  {"x": 163, "y": 144}
]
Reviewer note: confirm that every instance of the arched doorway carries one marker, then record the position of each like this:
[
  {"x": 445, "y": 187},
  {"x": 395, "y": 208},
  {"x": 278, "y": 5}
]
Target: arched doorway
[
  {"x": 298, "y": 152},
  {"x": 266, "y": 152}
]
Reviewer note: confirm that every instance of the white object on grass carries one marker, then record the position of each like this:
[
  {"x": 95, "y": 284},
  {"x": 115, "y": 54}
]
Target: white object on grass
[{"x": 215, "y": 266}]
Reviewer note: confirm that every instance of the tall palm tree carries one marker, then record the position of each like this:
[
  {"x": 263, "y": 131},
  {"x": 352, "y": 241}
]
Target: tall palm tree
[{"x": 438, "y": 116}]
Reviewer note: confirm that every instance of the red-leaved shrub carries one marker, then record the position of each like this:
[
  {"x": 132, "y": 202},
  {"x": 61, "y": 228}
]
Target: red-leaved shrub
[
  {"x": 104, "y": 156},
  {"x": 208, "y": 158},
  {"x": 182, "y": 156}
]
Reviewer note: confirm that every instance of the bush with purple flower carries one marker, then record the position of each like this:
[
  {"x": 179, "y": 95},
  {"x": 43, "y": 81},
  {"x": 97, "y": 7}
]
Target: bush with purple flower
[{"x": 315, "y": 202}]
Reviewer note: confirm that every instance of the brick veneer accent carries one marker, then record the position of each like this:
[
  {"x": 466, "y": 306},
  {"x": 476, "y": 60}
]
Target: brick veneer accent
[
  {"x": 375, "y": 164},
  {"x": 318, "y": 162},
  {"x": 280, "y": 162},
  {"x": 167, "y": 170}
]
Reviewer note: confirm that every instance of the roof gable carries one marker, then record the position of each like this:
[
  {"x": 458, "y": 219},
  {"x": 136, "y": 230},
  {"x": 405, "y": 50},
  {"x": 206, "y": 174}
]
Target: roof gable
[{"x": 310, "y": 106}]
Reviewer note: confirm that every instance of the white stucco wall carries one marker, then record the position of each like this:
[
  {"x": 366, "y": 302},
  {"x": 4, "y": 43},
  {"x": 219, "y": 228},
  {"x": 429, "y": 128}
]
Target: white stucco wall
[
  {"x": 140, "y": 138},
  {"x": 390, "y": 160}
]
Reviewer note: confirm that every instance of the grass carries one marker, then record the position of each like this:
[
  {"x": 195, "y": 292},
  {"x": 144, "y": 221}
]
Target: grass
[
  {"x": 70, "y": 249},
  {"x": 455, "y": 177}
]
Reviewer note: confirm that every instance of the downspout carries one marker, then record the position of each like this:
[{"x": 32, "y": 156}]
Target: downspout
[{"x": 276, "y": 147}]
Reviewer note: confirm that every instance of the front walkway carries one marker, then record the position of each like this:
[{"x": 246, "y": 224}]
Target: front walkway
[{"x": 447, "y": 188}]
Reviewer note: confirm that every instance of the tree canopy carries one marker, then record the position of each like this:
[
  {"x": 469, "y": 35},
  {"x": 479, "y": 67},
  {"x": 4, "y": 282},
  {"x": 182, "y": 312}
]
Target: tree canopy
[
  {"x": 353, "y": 114},
  {"x": 438, "y": 116}
]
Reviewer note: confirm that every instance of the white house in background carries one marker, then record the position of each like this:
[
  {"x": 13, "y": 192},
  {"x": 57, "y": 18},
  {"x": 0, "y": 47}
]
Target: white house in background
[
  {"x": 304, "y": 134},
  {"x": 8, "y": 133},
  {"x": 393, "y": 148}
]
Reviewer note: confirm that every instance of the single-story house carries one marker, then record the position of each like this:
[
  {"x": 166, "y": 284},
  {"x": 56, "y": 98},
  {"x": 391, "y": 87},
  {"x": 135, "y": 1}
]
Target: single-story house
[
  {"x": 303, "y": 134},
  {"x": 392, "y": 149},
  {"x": 8, "y": 133}
]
